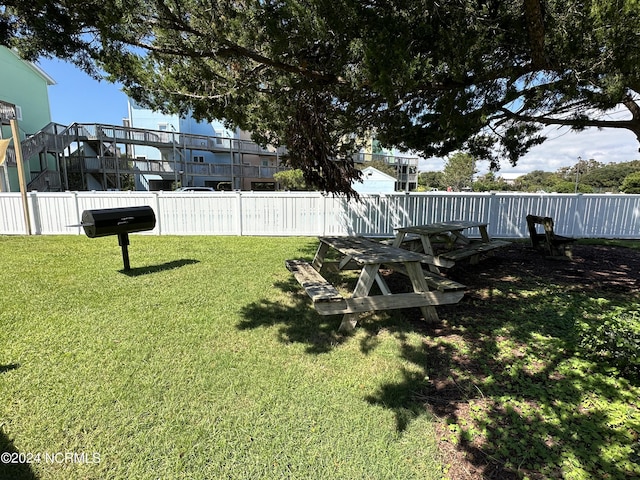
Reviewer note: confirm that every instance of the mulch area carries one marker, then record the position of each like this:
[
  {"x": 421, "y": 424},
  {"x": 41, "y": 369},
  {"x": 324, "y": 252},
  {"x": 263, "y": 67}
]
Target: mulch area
[
  {"x": 594, "y": 266},
  {"x": 599, "y": 268}
]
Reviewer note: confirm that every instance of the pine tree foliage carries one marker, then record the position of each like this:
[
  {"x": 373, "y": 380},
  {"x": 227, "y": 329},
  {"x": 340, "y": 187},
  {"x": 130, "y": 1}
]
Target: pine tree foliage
[{"x": 318, "y": 75}]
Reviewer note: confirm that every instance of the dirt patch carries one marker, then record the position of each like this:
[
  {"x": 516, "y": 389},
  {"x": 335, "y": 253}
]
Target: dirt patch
[{"x": 596, "y": 267}]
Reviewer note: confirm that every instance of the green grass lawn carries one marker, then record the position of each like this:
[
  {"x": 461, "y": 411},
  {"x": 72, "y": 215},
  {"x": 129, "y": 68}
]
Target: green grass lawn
[{"x": 207, "y": 361}]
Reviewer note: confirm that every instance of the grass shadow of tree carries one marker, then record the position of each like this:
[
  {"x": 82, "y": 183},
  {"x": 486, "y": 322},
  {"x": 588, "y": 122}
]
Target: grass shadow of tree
[
  {"x": 12, "y": 465},
  {"x": 495, "y": 372},
  {"x": 499, "y": 376},
  {"x": 297, "y": 321}
]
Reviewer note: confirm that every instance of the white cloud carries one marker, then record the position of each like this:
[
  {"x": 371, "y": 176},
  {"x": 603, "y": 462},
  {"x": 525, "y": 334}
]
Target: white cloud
[{"x": 562, "y": 149}]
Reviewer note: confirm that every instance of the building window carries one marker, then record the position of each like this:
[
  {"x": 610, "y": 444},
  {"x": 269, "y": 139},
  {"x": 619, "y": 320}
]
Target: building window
[
  {"x": 18, "y": 113},
  {"x": 163, "y": 127},
  {"x": 198, "y": 158}
]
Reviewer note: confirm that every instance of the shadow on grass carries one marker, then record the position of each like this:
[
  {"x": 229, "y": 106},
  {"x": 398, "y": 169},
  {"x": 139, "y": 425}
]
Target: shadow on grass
[
  {"x": 504, "y": 371},
  {"x": 137, "y": 271},
  {"x": 12, "y": 464},
  {"x": 510, "y": 415},
  {"x": 297, "y": 323},
  {"x": 507, "y": 374},
  {"x": 9, "y": 367}
]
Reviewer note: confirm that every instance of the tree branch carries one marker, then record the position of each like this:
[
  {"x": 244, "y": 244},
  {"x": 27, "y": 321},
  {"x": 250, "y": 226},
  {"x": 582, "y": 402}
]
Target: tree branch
[
  {"x": 633, "y": 107},
  {"x": 173, "y": 22},
  {"x": 633, "y": 124}
]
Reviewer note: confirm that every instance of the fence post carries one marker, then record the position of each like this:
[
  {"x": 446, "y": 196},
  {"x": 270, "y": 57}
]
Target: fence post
[
  {"x": 77, "y": 207},
  {"x": 159, "y": 213},
  {"x": 323, "y": 215},
  {"x": 492, "y": 209},
  {"x": 577, "y": 226},
  {"x": 35, "y": 217},
  {"x": 239, "y": 213}
]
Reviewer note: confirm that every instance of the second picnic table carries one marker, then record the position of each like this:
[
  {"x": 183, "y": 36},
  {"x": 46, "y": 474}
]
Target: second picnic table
[{"x": 457, "y": 246}]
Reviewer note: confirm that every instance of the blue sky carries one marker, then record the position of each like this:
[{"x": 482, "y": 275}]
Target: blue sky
[
  {"x": 78, "y": 98},
  {"x": 563, "y": 148}
]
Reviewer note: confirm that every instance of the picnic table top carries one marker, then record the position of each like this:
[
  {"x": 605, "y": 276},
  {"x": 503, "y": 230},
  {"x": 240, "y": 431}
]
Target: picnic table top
[
  {"x": 441, "y": 227},
  {"x": 368, "y": 252}
]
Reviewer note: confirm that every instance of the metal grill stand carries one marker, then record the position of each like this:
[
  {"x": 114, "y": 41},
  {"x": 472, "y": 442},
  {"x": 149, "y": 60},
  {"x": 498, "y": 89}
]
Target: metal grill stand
[{"x": 123, "y": 241}]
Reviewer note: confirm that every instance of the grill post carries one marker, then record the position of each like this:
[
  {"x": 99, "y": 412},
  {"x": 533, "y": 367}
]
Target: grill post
[{"x": 123, "y": 241}]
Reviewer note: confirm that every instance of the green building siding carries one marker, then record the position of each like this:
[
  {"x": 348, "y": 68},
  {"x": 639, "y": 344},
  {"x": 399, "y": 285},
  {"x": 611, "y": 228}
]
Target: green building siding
[{"x": 24, "y": 86}]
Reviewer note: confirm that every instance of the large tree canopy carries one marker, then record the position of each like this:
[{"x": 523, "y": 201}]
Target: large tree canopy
[{"x": 316, "y": 76}]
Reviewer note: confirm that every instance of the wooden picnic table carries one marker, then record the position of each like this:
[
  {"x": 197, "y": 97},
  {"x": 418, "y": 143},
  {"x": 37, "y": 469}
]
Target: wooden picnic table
[
  {"x": 368, "y": 256},
  {"x": 455, "y": 244}
]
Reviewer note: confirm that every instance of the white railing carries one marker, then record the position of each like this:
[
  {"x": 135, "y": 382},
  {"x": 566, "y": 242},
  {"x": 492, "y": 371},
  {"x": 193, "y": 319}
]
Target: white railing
[{"x": 312, "y": 213}]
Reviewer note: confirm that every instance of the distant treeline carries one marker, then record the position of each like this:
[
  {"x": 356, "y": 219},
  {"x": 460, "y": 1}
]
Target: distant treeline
[{"x": 586, "y": 176}]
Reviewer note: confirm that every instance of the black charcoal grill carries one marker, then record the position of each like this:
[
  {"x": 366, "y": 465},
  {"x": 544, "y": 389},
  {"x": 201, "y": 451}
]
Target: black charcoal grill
[{"x": 118, "y": 221}]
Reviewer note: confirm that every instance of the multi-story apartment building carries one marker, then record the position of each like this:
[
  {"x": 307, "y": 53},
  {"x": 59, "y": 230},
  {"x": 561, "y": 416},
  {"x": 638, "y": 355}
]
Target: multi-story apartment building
[{"x": 203, "y": 153}]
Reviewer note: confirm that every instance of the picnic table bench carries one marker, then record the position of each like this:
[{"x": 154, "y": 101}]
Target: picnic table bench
[
  {"x": 456, "y": 245},
  {"x": 370, "y": 256},
  {"x": 319, "y": 289},
  {"x": 553, "y": 245}
]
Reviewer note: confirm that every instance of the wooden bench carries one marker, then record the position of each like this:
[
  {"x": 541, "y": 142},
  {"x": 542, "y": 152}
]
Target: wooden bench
[
  {"x": 435, "y": 281},
  {"x": 323, "y": 295},
  {"x": 473, "y": 250},
  {"x": 548, "y": 242}
]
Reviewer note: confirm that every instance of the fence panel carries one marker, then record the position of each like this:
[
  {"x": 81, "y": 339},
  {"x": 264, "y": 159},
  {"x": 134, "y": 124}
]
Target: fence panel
[
  {"x": 610, "y": 216},
  {"x": 510, "y": 211},
  {"x": 197, "y": 213},
  {"x": 53, "y": 213},
  {"x": 11, "y": 214},
  {"x": 313, "y": 213},
  {"x": 282, "y": 213}
]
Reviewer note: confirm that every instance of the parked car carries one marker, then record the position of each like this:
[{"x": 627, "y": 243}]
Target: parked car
[{"x": 195, "y": 189}]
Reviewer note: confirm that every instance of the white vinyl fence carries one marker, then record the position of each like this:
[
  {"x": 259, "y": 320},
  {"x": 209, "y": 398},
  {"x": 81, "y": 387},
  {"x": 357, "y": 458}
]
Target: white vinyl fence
[{"x": 315, "y": 214}]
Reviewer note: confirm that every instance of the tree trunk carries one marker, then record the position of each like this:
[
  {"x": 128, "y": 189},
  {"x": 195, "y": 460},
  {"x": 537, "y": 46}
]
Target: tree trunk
[{"x": 534, "y": 17}]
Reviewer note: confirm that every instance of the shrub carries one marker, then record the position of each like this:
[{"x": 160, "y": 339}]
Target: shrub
[
  {"x": 615, "y": 341},
  {"x": 631, "y": 183}
]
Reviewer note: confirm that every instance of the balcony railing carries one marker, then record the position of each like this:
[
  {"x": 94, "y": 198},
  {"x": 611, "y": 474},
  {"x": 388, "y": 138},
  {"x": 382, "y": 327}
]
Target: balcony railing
[
  {"x": 7, "y": 112},
  {"x": 91, "y": 164}
]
